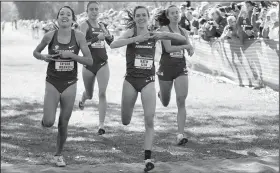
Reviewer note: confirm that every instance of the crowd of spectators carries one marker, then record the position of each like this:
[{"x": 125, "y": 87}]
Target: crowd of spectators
[{"x": 236, "y": 21}]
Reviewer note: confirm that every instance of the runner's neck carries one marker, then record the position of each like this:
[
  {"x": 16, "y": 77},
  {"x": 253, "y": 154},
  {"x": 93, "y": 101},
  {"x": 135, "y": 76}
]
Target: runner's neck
[
  {"x": 142, "y": 30},
  {"x": 94, "y": 23},
  {"x": 64, "y": 31},
  {"x": 174, "y": 27}
]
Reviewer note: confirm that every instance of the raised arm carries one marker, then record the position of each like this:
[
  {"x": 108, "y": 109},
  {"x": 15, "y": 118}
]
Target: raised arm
[
  {"x": 167, "y": 44},
  {"x": 86, "y": 59},
  {"x": 125, "y": 39}
]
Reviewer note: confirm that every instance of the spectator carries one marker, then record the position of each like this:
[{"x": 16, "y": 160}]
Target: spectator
[
  {"x": 219, "y": 22},
  {"x": 271, "y": 26},
  {"x": 184, "y": 22},
  {"x": 247, "y": 22},
  {"x": 194, "y": 25},
  {"x": 230, "y": 31}
]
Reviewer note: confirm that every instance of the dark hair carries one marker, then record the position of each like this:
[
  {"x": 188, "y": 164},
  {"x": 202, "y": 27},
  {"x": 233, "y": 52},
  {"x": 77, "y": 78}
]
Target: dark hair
[
  {"x": 232, "y": 5},
  {"x": 91, "y": 2},
  {"x": 222, "y": 9},
  {"x": 250, "y": 2},
  {"x": 264, "y": 4},
  {"x": 130, "y": 23},
  {"x": 73, "y": 13},
  {"x": 161, "y": 16},
  {"x": 201, "y": 21}
]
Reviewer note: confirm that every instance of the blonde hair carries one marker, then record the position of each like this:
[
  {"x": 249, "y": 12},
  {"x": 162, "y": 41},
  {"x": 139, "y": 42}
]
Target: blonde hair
[
  {"x": 230, "y": 18},
  {"x": 214, "y": 10},
  {"x": 273, "y": 11}
]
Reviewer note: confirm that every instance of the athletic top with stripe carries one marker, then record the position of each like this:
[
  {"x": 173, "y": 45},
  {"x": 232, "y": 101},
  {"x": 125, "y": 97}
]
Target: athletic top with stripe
[
  {"x": 97, "y": 49},
  {"x": 173, "y": 58},
  {"x": 140, "y": 58},
  {"x": 63, "y": 69}
]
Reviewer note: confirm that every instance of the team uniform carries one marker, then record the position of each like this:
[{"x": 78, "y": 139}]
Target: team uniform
[
  {"x": 63, "y": 72},
  {"x": 172, "y": 65},
  {"x": 140, "y": 68},
  {"x": 97, "y": 48}
]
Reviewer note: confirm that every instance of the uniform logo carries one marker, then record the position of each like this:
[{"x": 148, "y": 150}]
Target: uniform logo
[
  {"x": 151, "y": 78},
  {"x": 71, "y": 46},
  {"x": 144, "y": 46},
  {"x": 92, "y": 29},
  {"x": 56, "y": 47},
  {"x": 160, "y": 73},
  {"x": 70, "y": 82}
]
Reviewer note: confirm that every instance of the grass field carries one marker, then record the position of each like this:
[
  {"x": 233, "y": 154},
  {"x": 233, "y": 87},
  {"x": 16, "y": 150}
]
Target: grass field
[{"x": 224, "y": 121}]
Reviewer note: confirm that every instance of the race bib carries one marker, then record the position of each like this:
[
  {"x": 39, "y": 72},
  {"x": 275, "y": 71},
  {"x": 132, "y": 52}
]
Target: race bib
[
  {"x": 177, "y": 54},
  {"x": 98, "y": 44},
  {"x": 143, "y": 62},
  {"x": 64, "y": 66}
]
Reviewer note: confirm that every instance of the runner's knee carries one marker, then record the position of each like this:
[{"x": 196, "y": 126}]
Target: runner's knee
[
  {"x": 48, "y": 123},
  {"x": 149, "y": 121},
  {"x": 63, "y": 122},
  {"x": 181, "y": 100},
  {"x": 102, "y": 94},
  {"x": 125, "y": 121},
  {"x": 125, "y": 118}
]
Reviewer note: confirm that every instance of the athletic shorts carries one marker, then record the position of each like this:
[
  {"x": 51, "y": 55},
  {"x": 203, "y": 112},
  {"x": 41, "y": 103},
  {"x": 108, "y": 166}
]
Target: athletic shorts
[
  {"x": 60, "y": 85},
  {"x": 139, "y": 83},
  {"x": 94, "y": 68},
  {"x": 169, "y": 73}
]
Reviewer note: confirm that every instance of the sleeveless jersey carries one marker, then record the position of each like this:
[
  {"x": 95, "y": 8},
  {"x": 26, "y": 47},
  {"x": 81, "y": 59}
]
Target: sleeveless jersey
[
  {"x": 63, "y": 69},
  {"x": 173, "y": 58},
  {"x": 97, "y": 49},
  {"x": 140, "y": 58}
]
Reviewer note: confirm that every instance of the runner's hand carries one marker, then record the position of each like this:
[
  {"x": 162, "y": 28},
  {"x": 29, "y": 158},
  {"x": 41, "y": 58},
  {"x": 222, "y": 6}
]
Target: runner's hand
[
  {"x": 67, "y": 54},
  {"x": 46, "y": 57},
  {"x": 190, "y": 50},
  {"x": 157, "y": 35},
  {"x": 144, "y": 37},
  {"x": 101, "y": 36}
]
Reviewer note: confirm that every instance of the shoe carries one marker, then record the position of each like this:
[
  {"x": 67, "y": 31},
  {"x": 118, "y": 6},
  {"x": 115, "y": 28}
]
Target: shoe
[
  {"x": 149, "y": 165},
  {"x": 181, "y": 140},
  {"x": 81, "y": 105},
  {"x": 101, "y": 131},
  {"x": 59, "y": 161}
]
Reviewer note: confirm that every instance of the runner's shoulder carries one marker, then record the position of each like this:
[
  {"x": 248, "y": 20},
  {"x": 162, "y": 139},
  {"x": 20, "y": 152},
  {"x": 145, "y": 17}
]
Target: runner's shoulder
[
  {"x": 79, "y": 34},
  {"x": 48, "y": 36},
  {"x": 84, "y": 24}
]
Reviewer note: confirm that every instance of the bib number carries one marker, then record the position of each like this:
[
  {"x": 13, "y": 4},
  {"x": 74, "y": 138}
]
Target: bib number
[
  {"x": 64, "y": 66},
  {"x": 177, "y": 54},
  {"x": 143, "y": 62},
  {"x": 98, "y": 44}
]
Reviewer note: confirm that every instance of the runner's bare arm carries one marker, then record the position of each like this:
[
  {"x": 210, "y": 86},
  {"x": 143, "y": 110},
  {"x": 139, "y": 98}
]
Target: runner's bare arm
[
  {"x": 86, "y": 59},
  {"x": 45, "y": 41},
  {"x": 187, "y": 36},
  {"x": 84, "y": 29},
  {"x": 167, "y": 44},
  {"x": 108, "y": 37},
  {"x": 125, "y": 39},
  {"x": 165, "y": 35}
]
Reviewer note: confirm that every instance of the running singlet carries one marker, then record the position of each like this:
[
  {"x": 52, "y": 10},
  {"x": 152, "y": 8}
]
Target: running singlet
[
  {"x": 173, "y": 58},
  {"x": 97, "y": 49},
  {"x": 63, "y": 69},
  {"x": 140, "y": 58}
]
